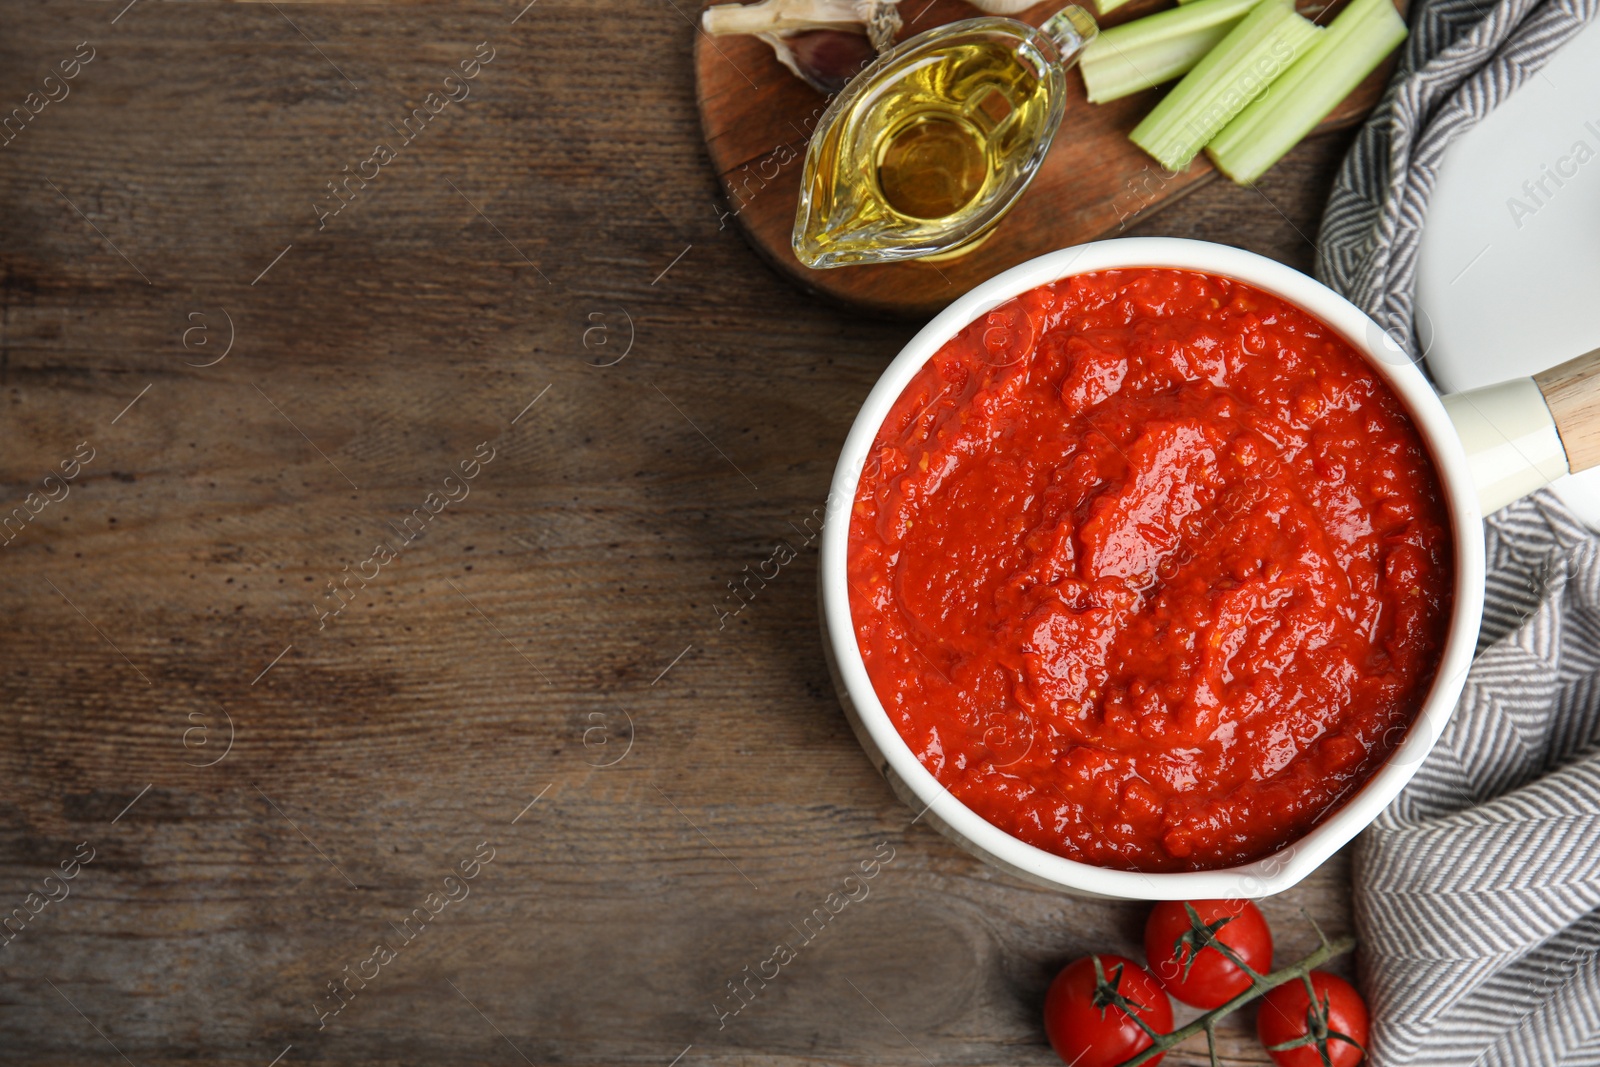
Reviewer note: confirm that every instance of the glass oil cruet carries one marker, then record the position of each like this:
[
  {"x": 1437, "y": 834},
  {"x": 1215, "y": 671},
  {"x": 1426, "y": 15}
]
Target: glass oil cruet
[{"x": 924, "y": 152}]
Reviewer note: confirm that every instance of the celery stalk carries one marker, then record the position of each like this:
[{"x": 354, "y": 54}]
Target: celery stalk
[
  {"x": 1105, "y": 7},
  {"x": 1353, "y": 45},
  {"x": 1262, "y": 46},
  {"x": 1157, "y": 48}
]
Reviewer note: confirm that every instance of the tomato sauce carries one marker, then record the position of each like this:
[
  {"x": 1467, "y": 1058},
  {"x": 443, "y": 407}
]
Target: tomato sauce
[{"x": 1149, "y": 569}]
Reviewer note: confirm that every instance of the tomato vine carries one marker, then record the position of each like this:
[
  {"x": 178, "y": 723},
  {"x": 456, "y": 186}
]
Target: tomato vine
[{"x": 1203, "y": 935}]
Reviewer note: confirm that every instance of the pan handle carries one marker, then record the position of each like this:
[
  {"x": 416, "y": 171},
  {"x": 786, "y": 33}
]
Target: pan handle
[
  {"x": 1523, "y": 434},
  {"x": 1572, "y": 392},
  {"x": 1510, "y": 438}
]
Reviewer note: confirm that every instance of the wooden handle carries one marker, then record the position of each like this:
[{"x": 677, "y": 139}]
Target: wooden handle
[{"x": 1573, "y": 392}]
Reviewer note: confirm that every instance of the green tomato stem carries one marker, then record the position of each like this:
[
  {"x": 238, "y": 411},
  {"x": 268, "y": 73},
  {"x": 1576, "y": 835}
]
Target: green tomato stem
[{"x": 1258, "y": 987}]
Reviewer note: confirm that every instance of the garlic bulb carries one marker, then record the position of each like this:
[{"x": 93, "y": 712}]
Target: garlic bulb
[{"x": 824, "y": 42}]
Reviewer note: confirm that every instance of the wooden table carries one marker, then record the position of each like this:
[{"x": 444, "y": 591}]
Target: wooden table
[{"x": 538, "y": 275}]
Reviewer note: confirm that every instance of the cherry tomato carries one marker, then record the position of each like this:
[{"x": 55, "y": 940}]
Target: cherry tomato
[
  {"x": 1089, "y": 1016},
  {"x": 1339, "y": 1016},
  {"x": 1187, "y": 960}
]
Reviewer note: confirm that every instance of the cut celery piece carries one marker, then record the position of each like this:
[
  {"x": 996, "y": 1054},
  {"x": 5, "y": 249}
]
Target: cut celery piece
[
  {"x": 1262, "y": 46},
  {"x": 1105, "y": 7},
  {"x": 1157, "y": 48},
  {"x": 1351, "y": 47}
]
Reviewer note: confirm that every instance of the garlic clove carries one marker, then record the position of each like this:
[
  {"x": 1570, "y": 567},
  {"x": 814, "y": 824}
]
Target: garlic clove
[
  {"x": 825, "y": 59},
  {"x": 1003, "y": 7},
  {"x": 824, "y": 42},
  {"x": 786, "y": 16}
]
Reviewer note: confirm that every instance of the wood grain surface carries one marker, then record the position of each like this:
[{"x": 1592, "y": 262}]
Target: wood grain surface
[
  {"x": 1572, "y": 390},
  {"x": 757, "y": 118},
  {"x": 542, "y": 275}
]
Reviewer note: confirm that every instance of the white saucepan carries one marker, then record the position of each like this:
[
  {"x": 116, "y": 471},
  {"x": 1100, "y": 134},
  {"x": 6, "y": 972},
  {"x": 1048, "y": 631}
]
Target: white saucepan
[{"x": 1489, "y": 447}]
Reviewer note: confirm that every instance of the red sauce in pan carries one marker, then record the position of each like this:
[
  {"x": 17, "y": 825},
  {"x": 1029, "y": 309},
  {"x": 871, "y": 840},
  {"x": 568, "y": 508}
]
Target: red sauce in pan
[{"x": 1150, "y": 569}]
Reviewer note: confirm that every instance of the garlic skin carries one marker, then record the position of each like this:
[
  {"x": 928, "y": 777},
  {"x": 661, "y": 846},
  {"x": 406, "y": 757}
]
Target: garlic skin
[
  {"x": 826, "y": 60},
  {"x": 824, "y": 42},
  {"x": 877, "y": 19},
  {"x": 1003, "y": 7}
]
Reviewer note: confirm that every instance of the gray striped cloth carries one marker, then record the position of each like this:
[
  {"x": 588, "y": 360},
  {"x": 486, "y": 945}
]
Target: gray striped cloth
[
  {"x": 1463, "y": 57},
  {"x": 1478, "y": 890}
]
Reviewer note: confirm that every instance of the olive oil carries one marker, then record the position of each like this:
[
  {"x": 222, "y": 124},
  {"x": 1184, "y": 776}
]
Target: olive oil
[
  {"x": 932, "y": 166},
  {"x": 923, "y": 153}
]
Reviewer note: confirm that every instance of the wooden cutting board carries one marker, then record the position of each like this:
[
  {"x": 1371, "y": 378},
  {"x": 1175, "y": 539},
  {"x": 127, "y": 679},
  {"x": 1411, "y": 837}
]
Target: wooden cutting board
[{"x": 757, "y": 118}]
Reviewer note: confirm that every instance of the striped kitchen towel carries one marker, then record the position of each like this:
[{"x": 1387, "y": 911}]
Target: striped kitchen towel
[
  {"x": 1478, "y": 890},
  {"x": 1463, "y": 57}
]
